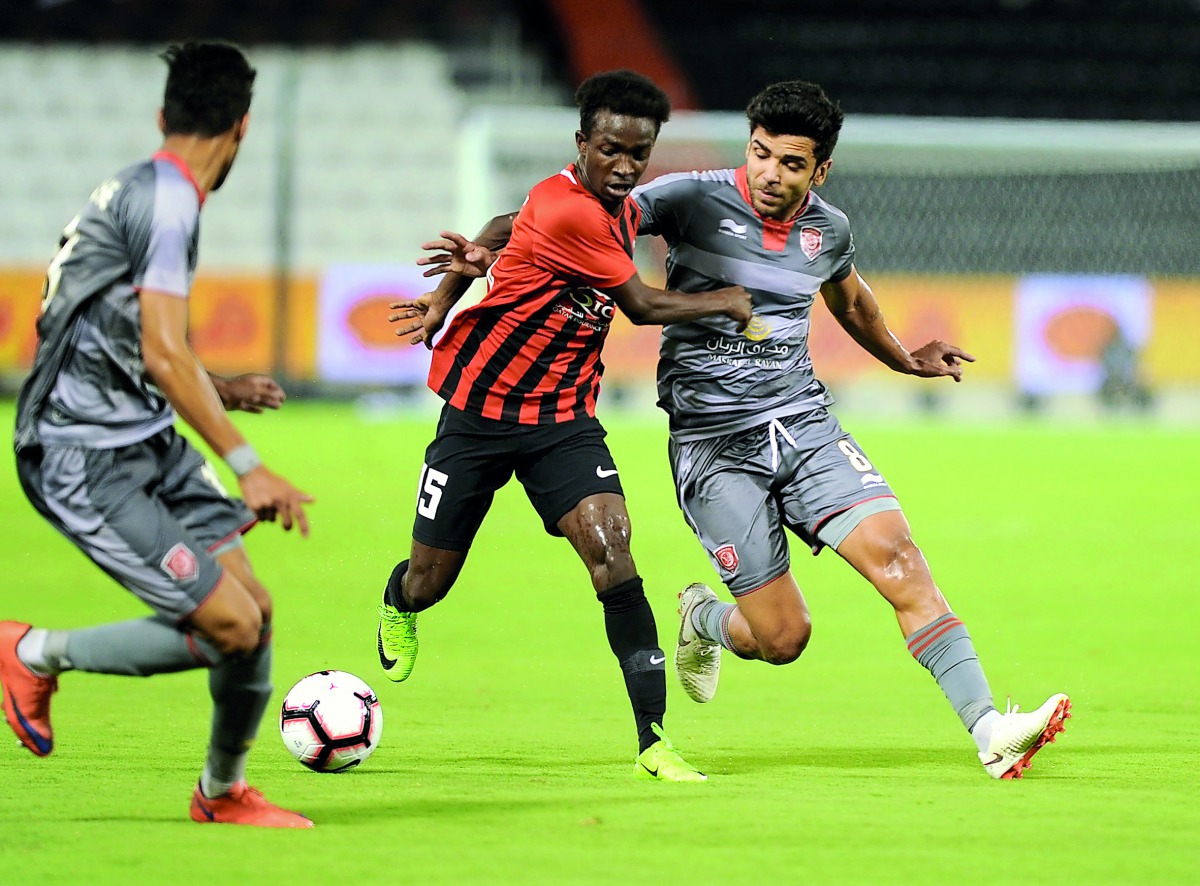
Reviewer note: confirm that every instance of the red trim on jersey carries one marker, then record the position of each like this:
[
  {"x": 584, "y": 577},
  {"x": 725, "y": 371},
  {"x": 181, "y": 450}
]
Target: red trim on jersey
[
  {"x": 529, "y": 352},
  {"x": 775, "y": 233},
  {"x": 177, "y": 161}
]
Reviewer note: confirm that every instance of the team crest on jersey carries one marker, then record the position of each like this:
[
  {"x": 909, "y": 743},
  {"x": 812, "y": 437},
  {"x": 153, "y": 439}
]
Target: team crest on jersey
[
  {"x": 810, "y": 242},
  {"x": 180, "y": 563},
  {"x": 727, "y": 556}
]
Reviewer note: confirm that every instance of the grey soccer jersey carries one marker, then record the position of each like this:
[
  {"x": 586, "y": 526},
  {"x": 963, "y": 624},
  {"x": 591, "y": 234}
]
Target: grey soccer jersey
[
  {"x": 88, "y": 387},
  {"x": 711, "y": 379}
]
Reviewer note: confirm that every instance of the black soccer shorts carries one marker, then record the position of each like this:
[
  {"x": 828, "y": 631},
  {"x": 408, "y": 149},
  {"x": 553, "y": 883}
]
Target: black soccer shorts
[{"x": 559, "y": 465}]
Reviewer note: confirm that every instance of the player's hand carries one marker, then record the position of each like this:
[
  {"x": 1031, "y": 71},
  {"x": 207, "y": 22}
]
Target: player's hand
[
  {"x": 421, "y": 317},
  {"x": 251, "y": 392},
  {"x": 740, "y": 311},
  {"x": 938, "y": 359},
  {"x": 272, "y": 498},
  {"x": 455, "y": 254}
]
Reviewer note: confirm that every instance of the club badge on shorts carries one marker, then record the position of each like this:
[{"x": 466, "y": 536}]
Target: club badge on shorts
[
  {"x": 180, "y": 563},
  {"x": 727, "y": 556}
]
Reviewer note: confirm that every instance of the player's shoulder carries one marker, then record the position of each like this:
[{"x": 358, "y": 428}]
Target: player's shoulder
[
  {"x": 817, "y": 203},
  {"x": 560, "y": 203},
  {"x": 695, "y": 182}
]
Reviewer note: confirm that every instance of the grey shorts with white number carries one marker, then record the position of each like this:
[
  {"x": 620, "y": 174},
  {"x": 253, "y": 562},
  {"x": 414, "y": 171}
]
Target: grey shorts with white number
[{"x": 739, "y": 491}]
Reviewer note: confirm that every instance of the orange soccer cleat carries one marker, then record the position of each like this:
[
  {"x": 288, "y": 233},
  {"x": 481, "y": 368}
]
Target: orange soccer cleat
[
  {"x": 243, "y": 804},
  {"x": 26, "y": 695}
]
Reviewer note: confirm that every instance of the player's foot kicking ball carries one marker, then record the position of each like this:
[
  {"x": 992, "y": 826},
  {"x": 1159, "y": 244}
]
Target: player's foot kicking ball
[
  {"x": 396, "y": 641},
  {"x": 1016, "y": 737},
  {"x": 26, "y": 695},
  {"x": 697, "y": 661},
  {"x": 662, "y": 761},
  {"x": 243, "y": 804}
]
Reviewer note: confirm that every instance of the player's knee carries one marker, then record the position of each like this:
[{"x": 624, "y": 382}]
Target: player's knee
[
  {"x": 611, "y": 568},
  {"x": 238, "y": 635},
  {"x": 902, "y": 563},
  {"x": 787, "y": 646}
]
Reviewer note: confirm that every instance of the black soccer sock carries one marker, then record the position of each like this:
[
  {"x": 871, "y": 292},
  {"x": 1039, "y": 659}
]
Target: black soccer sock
[
  {"x": 633, "y": 637},
  {"x": 393, "y": 594}
]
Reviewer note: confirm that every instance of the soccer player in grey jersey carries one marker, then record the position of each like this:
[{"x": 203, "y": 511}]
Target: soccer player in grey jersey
[
  {"x": 753, "y": 446},
  {"x": 99, "y": 458}
]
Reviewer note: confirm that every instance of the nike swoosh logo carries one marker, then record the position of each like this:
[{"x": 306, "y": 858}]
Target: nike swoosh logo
[
  {"x": 653, "y": 772},
  {"x": 44, "y": 745},
  {"x": 208, "y": 813},
  {"x": 996, "y": 758},
  {"x": 388, "y": 663},
  {"x": 601, "y": 473},
  {"x": 659, "y": 659}
]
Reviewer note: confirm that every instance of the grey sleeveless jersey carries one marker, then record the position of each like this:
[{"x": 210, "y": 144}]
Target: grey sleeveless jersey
[
  {"x": 711, "y": 379},
  {"x": 88, "y": 387}
]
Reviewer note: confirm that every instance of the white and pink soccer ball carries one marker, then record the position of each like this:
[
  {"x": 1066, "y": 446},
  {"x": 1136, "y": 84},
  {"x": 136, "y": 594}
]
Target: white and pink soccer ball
[{"x": 331, "y": 721}]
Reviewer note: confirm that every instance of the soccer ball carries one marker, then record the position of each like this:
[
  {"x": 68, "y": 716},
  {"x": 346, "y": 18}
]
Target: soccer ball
[{"x": 331, "y": 721}]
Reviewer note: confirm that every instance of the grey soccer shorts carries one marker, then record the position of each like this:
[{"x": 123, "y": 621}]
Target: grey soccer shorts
[
  {"x": 739, "y": 491},
  {"x": 151, "y": 515}
]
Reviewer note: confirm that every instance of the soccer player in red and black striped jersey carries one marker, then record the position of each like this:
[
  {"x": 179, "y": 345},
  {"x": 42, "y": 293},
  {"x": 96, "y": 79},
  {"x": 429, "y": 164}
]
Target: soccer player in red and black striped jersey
[{"x": 520, "y": 372}]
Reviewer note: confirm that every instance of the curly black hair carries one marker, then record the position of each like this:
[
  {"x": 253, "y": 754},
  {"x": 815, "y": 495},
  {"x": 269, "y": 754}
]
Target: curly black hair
[
  {"x": 797, "y": 107},
  {"x": 622, "y": 92}
]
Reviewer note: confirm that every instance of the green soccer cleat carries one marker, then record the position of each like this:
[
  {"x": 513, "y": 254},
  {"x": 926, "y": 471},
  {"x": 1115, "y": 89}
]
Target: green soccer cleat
[
  {"x": 397, "y": 642},
  {"x": 662, "y": 762},
  {"x": 697, "y": 661}
]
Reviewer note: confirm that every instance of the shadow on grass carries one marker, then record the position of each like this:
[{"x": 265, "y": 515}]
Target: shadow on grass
[{"x": 840, "y": 758}]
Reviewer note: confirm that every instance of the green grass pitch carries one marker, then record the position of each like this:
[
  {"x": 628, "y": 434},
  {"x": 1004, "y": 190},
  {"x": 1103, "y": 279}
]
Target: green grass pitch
[{"x": 507, "y": 758}]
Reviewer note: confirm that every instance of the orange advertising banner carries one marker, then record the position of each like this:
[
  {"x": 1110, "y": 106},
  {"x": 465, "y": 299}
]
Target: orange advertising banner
[
  {"x": 234, "y": 325},
  {"x": 20, "y": 302},
  {"x": 233, "y": 322}
]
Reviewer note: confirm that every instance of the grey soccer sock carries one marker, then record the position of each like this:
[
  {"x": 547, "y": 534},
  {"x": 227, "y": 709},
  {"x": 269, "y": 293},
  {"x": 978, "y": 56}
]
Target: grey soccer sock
[
  {"x": 711, "y": 621},
  {"x": 945, "y": 649},
  {"x": 240, "y": 689},
  {"x": 135, "y": 648}
]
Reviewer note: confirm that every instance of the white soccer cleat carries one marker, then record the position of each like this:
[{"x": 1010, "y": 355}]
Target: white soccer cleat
[
  {"x": 1016, "y": 737},
  {"x": 697, "y": 661}
]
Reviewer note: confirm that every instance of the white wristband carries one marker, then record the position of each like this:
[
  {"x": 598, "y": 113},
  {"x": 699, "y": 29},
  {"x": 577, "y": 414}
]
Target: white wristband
[{"x": 242, "y": 459}]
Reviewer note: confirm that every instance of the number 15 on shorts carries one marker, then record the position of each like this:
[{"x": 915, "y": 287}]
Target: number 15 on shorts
[{"x": 429, "y": 495}]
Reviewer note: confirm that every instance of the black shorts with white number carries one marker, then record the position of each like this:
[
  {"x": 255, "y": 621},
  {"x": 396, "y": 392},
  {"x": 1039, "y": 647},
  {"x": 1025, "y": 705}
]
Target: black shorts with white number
[{"x": 471, "y": 457}]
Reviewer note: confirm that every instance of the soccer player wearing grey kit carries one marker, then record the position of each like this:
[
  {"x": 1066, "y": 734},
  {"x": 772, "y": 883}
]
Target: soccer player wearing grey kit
[
  {"x": 99, "y": 457},
  {"x": 753, "y": 446}
]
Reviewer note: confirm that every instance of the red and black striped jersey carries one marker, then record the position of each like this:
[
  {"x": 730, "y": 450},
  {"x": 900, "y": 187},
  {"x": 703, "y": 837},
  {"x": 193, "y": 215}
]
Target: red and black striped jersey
[{"x": 529, "y": 352}]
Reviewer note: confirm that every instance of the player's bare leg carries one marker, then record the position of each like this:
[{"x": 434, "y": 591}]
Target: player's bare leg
[
  {"x": 415, "y": 584},
  {"x": 882, "y": 550},
  {"x": 598, "y": 528},
  {"x": 771, "y": 624}
]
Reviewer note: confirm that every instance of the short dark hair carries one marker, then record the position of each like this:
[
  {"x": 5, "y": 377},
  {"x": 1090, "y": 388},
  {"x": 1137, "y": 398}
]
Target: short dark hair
[
  {"x": 797, "y": 107},
  {"x": 208, "y": 90},
  {"x": 622, "y": 92}
]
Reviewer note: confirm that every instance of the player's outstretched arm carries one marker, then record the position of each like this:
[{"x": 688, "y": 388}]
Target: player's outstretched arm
[
  {"x": 459, "y": 262},
  {"x": 853, "y": 304},
  {"x": 647, "y": 306},
  {"x": 174, "y": 367},
  {"x": 250, "y": 392}
]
